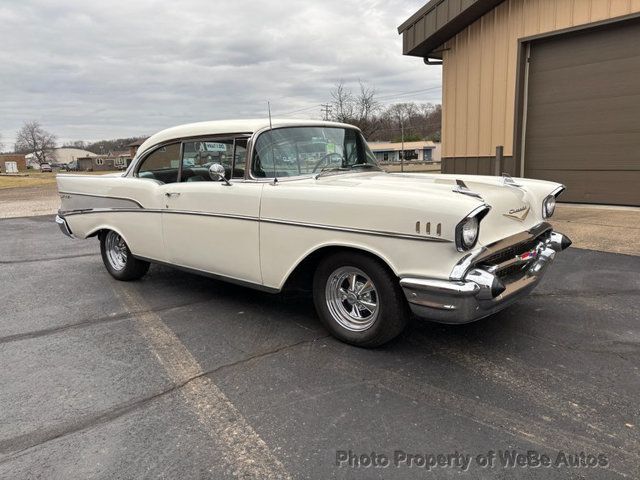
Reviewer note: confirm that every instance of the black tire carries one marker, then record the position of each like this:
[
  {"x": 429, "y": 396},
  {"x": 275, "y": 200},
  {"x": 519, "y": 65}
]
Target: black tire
[
  {"x": 388, "y": 318},
  {"x": 125, "y": 268}
]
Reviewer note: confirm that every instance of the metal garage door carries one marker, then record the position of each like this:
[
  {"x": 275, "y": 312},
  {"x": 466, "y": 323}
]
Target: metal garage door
[{"x": 582, "y": 124}]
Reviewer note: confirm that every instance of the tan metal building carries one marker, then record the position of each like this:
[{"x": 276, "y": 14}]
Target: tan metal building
[
  {"x": 555, "y": 82},
  {"x": 421, "y": 151}
]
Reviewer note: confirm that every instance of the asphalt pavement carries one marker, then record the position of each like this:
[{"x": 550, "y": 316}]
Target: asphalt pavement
[{"x": 181, "y": 376}]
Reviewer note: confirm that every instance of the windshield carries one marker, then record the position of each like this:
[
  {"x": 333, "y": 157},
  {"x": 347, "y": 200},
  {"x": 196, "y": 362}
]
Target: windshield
[{"x": 287, "y": 152}]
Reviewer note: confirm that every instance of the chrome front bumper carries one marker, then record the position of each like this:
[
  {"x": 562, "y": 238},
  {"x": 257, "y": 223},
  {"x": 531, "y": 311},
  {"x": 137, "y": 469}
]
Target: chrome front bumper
[
  {"x": 64, "y": 227},
  {"x": 483, "y": 290}
]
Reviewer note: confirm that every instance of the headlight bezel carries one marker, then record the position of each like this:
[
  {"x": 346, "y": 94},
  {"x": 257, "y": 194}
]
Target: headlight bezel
[
  {"x": 552, "y": 197},
  {"x": 474, "y": 217},
  {"x": 548, "y": 206}
]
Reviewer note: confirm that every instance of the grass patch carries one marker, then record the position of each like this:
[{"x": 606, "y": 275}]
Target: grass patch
[
  {"x": 37, "y": 179},
  {"x": 34, "y": 180}
]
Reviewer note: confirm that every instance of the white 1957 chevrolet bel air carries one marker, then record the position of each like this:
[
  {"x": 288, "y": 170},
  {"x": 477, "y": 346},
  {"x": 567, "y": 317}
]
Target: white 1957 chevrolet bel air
[{"x": 303, "y": 202}]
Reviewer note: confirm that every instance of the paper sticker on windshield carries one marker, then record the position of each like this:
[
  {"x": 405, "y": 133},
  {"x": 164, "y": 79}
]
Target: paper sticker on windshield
[
  {"x": 331, "y": 148},
  {"x": 213, "y": 147}
]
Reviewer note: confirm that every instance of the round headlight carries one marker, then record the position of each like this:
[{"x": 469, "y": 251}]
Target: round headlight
[
  {"x": 549, "y": 206},
  {"x": 470, "y": 232}
]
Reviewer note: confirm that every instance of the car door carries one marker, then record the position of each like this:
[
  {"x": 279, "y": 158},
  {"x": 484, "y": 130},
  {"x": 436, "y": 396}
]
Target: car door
[{"x": 212, "y": 226}]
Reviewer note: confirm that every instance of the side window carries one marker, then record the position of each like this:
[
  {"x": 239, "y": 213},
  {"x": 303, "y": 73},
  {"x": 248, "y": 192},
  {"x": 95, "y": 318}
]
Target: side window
[
  {"x": 199, "y": 155},
  {"x": 162, "y": 164}
]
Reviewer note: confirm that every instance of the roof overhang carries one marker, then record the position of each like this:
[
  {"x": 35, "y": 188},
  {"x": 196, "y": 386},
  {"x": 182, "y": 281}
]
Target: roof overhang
[{"x": 437, "y": 22}]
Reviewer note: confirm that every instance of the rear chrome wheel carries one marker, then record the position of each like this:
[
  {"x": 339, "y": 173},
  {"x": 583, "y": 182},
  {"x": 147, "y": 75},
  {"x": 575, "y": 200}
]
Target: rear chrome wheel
[
  {"x": 352, "y": 298},
  {"x": 117, "y": 257},
  {"x": 117, "y": 251}
]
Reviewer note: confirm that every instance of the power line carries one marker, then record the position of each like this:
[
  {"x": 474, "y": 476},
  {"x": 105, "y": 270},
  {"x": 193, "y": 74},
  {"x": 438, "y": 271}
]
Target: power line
[
  {"x": 298, "y": 110},
  {"x": 325, "y": 106},
  {"x": 401, "y": 94}
]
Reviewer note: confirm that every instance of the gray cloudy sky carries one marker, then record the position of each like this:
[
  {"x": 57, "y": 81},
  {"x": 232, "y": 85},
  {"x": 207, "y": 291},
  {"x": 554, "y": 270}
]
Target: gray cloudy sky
[{"x": 90, "y": 70}]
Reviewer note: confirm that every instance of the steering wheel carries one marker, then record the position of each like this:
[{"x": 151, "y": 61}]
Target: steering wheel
[{"x": 326, "y": 159}]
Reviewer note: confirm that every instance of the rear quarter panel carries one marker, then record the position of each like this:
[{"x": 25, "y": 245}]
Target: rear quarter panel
[{"x": 129, "y": 206}]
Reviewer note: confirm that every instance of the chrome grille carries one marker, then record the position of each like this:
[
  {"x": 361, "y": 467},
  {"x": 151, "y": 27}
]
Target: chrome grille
[{"x": 510, "y": 252}]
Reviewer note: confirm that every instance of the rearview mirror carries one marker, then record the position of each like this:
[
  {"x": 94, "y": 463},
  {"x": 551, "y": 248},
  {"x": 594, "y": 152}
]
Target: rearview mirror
[{"x": 217, "y": 173}]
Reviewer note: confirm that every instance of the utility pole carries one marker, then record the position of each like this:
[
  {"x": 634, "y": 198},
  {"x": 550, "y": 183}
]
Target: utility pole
[
  {"x": 402, "y": 144},
  {"x": 326, "y": 110}
]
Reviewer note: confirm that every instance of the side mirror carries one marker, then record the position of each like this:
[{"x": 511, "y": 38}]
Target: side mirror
[{"x": 216, "y": 172}]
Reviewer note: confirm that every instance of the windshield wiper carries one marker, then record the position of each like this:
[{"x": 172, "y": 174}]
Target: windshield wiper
[
  {"x": 331, "y": 169},
  {"x": 364, "y": 165}
]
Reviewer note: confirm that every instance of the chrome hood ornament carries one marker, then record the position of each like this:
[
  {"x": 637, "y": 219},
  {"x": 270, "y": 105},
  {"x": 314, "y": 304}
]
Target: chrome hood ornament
[
  {"x": 508, "y": 181},
  {"x": 462, "y": 188}
]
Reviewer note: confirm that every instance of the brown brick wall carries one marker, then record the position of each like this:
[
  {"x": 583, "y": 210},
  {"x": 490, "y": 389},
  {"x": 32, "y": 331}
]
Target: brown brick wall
[{"x": 19, "y": 159}]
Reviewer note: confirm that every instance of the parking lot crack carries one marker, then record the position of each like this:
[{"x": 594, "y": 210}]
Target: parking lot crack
[
  {"x": 16, "y": 446},
  {"x": 90, "y": 322}
]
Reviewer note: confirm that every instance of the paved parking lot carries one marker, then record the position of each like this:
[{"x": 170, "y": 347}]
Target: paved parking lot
[{"x": 179, "y": 376}]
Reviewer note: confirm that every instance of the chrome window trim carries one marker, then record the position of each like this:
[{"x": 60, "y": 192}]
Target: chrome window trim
[
  {"x": 136, "y": 163},
  {"x": 139, "y": 157}
]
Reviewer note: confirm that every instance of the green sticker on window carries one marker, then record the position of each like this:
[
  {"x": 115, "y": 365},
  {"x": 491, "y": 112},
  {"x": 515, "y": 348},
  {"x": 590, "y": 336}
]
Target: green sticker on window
[{"x": 331, "y": 148}]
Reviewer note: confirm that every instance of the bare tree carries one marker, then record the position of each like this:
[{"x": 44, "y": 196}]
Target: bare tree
[
  {"x": 411, "y": 121},
  {"x": 342, "y": 104},
  {"x": 81, "y": 144},
  {"x": 403, "y": 113},
  {"x": 359, "y": 110},
  {"x": 32, "y": 138},
  {"x": 1, "y": 144}
]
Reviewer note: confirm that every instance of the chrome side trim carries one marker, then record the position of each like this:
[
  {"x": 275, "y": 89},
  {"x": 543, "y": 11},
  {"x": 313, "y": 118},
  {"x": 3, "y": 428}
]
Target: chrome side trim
[
  {"x": 157, "y": 210},
  {"x": 109, "y": 197},
  {"x": 361, "y": 231},
  {"x": 379, "y": 233}
]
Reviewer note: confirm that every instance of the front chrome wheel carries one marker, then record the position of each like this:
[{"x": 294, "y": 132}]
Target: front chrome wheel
[
  {"x": 352, "y": 298},
  {"x": 116, "y": 250}
]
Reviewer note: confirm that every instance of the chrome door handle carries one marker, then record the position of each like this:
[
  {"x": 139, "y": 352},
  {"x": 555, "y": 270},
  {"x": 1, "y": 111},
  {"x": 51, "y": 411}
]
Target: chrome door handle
[{"x": 172, "y": 194}]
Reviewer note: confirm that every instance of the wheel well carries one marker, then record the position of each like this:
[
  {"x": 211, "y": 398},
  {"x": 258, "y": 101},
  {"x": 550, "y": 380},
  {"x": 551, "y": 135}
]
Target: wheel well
[
  {"x": 301, "y": 278},
  {"x": 98, "y": 233}
]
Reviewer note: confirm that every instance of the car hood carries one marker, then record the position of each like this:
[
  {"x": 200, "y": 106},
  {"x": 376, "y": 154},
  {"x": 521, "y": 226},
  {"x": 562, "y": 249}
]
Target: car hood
[{"x": 514, "y": 208}]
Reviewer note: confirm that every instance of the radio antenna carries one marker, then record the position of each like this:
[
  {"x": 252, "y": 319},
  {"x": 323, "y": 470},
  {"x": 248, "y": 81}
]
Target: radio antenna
[{"x": 273, "y": 156}]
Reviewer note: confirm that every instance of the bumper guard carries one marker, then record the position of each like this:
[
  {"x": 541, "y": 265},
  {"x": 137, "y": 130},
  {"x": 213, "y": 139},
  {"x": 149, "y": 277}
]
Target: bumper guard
[
  {"x": 64, "y": 227},
  {"x": 481, "y": 292}
]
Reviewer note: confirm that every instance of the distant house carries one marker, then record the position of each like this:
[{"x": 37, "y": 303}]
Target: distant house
[
  {"x": 116, "y": 160},
  {"x": 390, "y": 152},
  {"x": 61, "y": 156},
  {"x": 19, "y": 160},
  {"x": 133, "y": 147}
]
